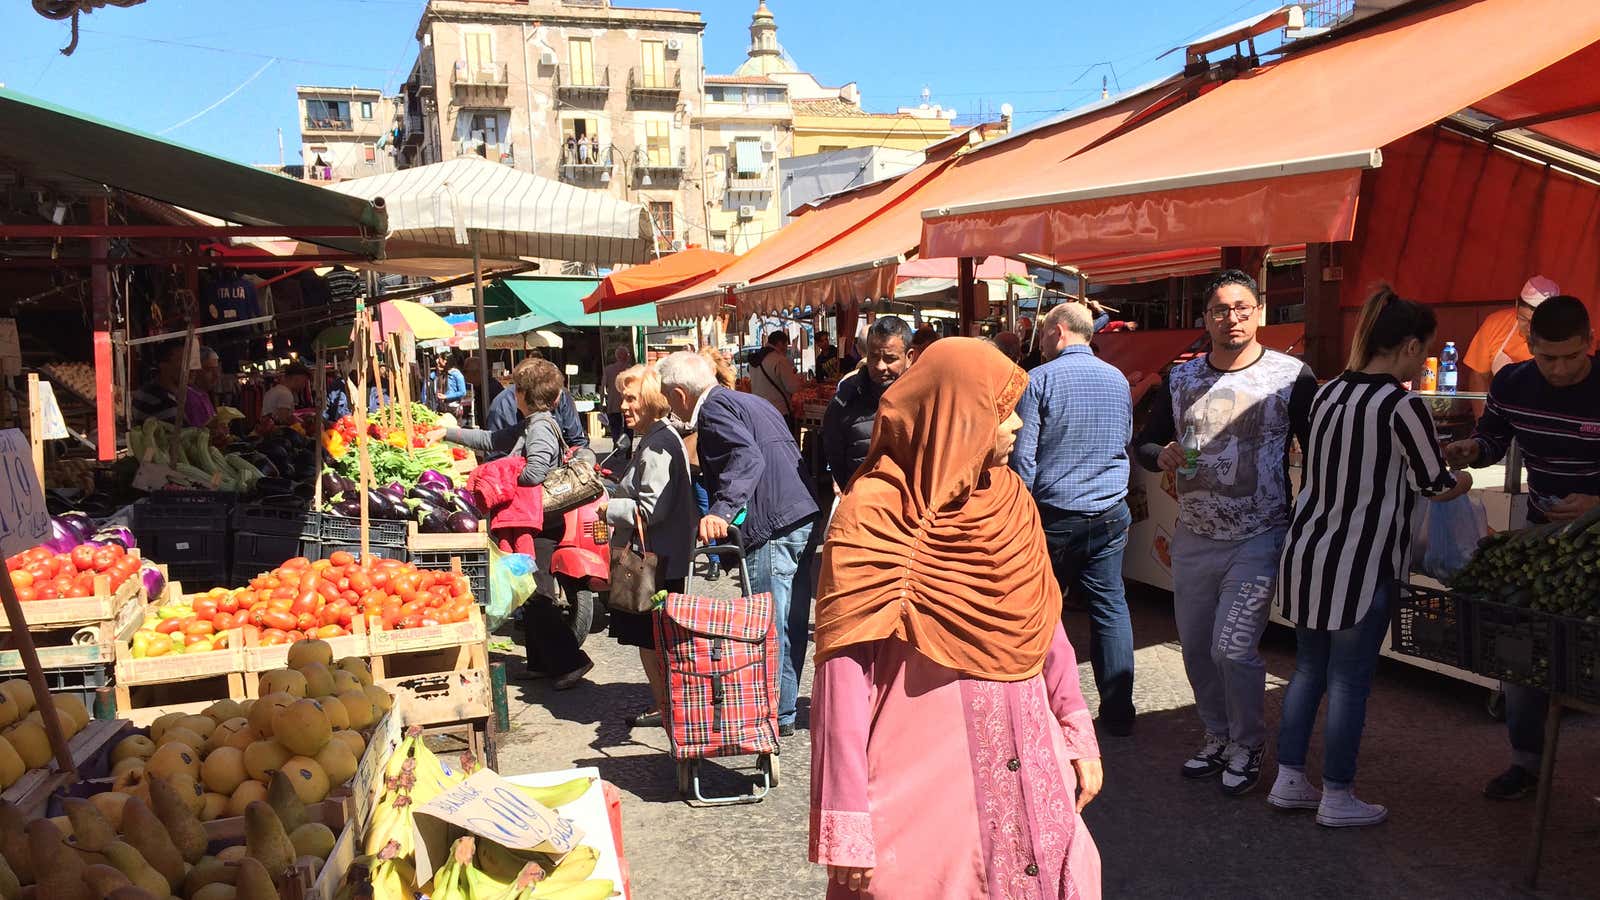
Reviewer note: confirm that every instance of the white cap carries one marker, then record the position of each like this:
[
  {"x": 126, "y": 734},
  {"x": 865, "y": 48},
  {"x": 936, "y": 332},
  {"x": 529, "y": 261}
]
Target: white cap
[{"x": 1537, "y": 290}]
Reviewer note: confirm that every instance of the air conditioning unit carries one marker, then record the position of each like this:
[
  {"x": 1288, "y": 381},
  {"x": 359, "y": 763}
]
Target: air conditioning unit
[
  {"x": 547, "y": 57},
  {"x": 674, "y": 45},
  {"x": 766, "y": 147},
  {"x": 746, "y": 213}
]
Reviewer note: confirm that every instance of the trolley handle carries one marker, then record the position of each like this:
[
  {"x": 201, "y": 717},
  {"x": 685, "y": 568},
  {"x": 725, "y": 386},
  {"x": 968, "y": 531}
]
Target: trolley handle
[{"x": 732, "y": 546}]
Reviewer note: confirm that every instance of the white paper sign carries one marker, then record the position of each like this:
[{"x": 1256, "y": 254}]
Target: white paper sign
[
  {"x": 24, "y": 521},
  {"x": 489, "y": 806},
  {"x": 53, "y": 426}
]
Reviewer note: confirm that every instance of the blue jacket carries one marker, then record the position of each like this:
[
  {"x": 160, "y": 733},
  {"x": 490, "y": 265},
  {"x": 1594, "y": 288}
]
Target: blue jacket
[
  {"x": 455, "y": 386},
  {"x": 750, "y": 462},
  {"x": 503, "y": 414}
]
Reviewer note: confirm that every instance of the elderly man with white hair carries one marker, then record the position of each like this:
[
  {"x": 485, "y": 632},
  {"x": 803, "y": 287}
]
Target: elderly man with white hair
[
  {"x": 756, "y": 480},
  {"x": 1502, "y": 339}
]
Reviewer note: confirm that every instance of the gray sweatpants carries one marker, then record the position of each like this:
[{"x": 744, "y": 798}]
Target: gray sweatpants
[{"x": 1222, "y": 592}]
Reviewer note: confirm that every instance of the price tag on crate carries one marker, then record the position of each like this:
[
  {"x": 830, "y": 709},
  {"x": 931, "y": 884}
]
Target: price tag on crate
[
  {"x": 24, "y": 520},
  {"x": 489, "y": 806}
]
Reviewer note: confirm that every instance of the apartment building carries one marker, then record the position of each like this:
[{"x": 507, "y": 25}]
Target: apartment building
[
  {"x": 344, "y": 132},
  {"x": 595, "y": 95},
  {"x": 746, "y": 127}
]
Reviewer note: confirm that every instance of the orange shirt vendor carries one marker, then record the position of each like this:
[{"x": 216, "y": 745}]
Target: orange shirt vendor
[{"x": 1502, "y": 339}]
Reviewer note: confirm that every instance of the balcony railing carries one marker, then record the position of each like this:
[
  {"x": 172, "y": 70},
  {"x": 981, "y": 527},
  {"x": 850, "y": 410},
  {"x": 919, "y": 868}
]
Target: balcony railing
[
  {"x": 758, "y": 182},
  {"x": 411, "y": 132},
  {"x": 586, "y": 164},
  {"x": 653, "y": 82},
  {"x": 491, "y": 74},
  {"x": 501, "y": 153},
  {"x": 572, "y": 81},
  {"x": 328, "y": 123}
]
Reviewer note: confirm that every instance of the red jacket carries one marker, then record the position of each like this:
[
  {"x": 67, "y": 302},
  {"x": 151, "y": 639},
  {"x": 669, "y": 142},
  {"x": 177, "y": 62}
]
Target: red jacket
[{"x": 508, "y": 505}]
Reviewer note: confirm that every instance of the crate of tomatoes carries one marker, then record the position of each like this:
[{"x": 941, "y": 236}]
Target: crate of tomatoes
[{"x": 86, "y": 585}]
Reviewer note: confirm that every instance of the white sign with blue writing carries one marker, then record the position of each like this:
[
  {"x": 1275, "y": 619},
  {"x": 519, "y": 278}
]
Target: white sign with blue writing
[{"x": 24, "y": 520}]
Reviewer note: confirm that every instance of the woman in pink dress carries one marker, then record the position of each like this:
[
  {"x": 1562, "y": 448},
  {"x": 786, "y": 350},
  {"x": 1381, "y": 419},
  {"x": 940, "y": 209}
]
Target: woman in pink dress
[{"x": 952, "y": 753}]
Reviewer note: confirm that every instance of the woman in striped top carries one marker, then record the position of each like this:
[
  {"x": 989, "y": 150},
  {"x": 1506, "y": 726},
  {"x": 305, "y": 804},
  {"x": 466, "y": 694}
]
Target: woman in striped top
[{"x": 1373, "y": 450}]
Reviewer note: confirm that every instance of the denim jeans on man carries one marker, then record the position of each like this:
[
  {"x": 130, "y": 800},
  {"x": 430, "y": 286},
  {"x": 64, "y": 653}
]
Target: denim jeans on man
[
  {"x": 1086, "y": 553},
  {"x": 1340, "y": 664},
  {"x": 782, "y": 567},
  {"x": 1221, "y": 595}
]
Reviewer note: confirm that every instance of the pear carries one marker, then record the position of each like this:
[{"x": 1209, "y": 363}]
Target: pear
[
  {"x": 103, "y": 879},
  {"x": 187, "y": 833},
  {"x": 266, "y": 841},
  {"x": 130, "y": 863},
  {"x": 209, "y": 871},
  {"x": 143, "y": 830},
  {"x": 14, "y": 842},
  {"x": 285, "y": 801},
  {"x": 215, "y": 891},
  {"x": 254, "y": 882},
  {"x": 90, "y": 830},
  {"x": 60, "y": 870},
  {"x": 313, "y": 839},
  {"x": 132, "y": 893}
]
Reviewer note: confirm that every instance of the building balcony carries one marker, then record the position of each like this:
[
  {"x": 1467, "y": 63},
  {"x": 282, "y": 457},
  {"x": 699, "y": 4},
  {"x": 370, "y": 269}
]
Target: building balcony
[
  {"x": 659, "y": 167},
  {"x": 326, "y": 123},
  {"x": 759, "y": 182},
  {"x": 501, "y": 153},
  {"x": 662, "y": 83},
  {"x": 411, "y": 131},
  {"x": 576, "y": 85},
  {"x": 490, "y": 77},
  {"x": 586, "y": 166}
]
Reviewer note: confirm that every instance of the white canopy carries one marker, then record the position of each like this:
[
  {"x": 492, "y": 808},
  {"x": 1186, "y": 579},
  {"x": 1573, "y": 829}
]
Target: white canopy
[{"x": 438, "y": 210}]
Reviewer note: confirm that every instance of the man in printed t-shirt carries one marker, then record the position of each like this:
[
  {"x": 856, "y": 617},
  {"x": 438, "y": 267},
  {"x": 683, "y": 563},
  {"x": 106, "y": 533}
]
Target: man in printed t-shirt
[{"x": 1245, "y": 403}]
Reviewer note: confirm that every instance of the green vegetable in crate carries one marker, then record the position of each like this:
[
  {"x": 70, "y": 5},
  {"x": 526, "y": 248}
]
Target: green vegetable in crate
[{"x": 1552, "y": 568}]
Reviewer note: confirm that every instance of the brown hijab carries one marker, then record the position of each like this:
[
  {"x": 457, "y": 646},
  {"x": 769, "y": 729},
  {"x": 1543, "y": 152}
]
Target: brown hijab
[{"x": 933, "y": 546}]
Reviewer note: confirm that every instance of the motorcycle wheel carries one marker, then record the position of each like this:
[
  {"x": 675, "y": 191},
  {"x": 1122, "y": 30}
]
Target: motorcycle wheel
[{"x": 580, "y": 608}]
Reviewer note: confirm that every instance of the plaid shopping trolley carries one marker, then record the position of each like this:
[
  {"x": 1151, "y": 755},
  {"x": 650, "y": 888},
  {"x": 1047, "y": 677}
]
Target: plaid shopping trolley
[{"x": 722, "y": 667}]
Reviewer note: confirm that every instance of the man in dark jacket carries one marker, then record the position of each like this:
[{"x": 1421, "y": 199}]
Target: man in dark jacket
[
  {"x": 503, "y": 414},
  {"x": 756, "y": 480},
  {"x": 847, "y": 424}
]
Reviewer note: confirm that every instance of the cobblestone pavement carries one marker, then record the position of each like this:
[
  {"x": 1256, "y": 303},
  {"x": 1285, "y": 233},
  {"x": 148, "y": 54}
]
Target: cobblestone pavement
[{"x": 1429, "y": 747}]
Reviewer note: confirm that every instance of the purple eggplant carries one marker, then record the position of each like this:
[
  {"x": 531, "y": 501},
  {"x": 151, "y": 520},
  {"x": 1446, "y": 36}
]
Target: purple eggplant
[
  {"x": 154, "y": 581},
  {"x": 435, "y": 478},
  {"x": 79, "y": 522},
  {"x": 442, "y": 497},
  {"x": 116, "y": 534},
  {"x": 394, "y": 489},
  {"x": 334, "y": 483},
  {"x": 62, "y": 538},
  {"x": 466, "y": 502},
  {"x": 349, "y": 507},
  {"x": 462, "y": 522},
  {"x": 432, "y": 520}
]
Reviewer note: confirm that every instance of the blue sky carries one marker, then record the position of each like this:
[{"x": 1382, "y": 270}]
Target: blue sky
[{"x": 161, "y": 65}]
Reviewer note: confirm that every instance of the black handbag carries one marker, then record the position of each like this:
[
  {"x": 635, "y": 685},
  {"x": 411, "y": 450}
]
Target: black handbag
[{"x": 634, "y": 573}]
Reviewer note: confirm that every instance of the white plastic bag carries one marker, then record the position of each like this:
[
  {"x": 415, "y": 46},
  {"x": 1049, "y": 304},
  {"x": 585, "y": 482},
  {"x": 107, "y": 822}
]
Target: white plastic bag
[{"x": 1449, "y": 536}]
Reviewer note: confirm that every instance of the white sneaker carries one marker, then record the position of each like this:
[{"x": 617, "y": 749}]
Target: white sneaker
[
  {"x": 1292, "y": 790},
  {"x": 1341, "y": 809}
]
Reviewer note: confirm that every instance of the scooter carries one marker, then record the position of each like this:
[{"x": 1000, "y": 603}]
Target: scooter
[{"x": 581, "y": 563}]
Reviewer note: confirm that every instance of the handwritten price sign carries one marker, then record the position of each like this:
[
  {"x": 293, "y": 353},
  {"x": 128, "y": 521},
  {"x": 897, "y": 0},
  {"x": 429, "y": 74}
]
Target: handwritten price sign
[
  {"x": 24, "y": 521},
  {"x": 489, "y": 806}
]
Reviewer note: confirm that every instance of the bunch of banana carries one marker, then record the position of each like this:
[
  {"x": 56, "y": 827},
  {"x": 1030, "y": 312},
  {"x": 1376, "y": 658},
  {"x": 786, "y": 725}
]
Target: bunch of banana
[{"x": 461, "y": 877}]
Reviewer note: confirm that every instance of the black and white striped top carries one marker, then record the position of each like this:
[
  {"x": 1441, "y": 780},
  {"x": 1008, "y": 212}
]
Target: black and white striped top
[{"x": 1373, "y": 450}]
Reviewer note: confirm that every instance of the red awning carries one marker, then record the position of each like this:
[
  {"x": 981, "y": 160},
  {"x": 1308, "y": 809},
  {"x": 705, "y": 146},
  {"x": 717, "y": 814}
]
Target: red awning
[
  {"x": 1139, "y": 354},
  {"x": 1275, "y": 155},
  {"x": 638, "y": 285}
]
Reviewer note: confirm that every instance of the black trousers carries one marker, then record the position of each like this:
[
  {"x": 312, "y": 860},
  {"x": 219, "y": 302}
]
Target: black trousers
[{"x": 552, "y": 647}]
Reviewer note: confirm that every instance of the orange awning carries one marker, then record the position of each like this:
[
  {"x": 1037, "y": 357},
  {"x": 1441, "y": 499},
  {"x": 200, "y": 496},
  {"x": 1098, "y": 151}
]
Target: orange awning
[
  {"x": 638, "y": 285},
  {"x": 1276, "y": 154},
  {"x": 1138, "y": 354}
]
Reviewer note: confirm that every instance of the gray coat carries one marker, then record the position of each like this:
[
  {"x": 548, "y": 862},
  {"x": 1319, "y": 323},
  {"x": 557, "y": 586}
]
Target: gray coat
[
  {"x": 538, "y": 437},
  {"x": 656, "y": 486}
]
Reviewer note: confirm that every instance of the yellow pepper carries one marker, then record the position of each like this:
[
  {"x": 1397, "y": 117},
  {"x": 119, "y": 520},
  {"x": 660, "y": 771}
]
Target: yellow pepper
[
  {"x": 334, "y": 442},
  {"x": 396, "y": 439}
]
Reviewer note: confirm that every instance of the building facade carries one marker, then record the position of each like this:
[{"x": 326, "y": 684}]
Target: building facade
[
  {"x": 595, "y": 95},
  {"x": 746, "y": 126},
  {"x": 345, "y": 132}
]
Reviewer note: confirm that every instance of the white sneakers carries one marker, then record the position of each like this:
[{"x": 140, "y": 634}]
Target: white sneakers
[{"x": 1336, "y": 807}]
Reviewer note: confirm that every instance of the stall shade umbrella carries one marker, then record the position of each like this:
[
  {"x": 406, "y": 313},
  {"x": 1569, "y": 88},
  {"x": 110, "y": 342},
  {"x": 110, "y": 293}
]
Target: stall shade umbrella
[
  {"x": 654, "y": 281},
  {"x": 401, "y": 316}
]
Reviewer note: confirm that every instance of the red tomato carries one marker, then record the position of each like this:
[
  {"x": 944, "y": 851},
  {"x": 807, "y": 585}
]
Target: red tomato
[
  {"x": 328, "y": 589},
  {"x": 64, "y": 585},
  {"x": 194, "y": 639},
  {"x": 104, "y": 559},
  {"x": 412, "y": 608},
  {"x": 84, "y": 583},
  {"x": 279, "y": 619},
  {"x": 306, "y": 622},
  {"x": 168, "y": 626},
  {"x": 201, "y": 627},
  {"x": 341, "y": 558},
  {"x": 21, "y": 578},
  {"x": 228, "y": 604},
  {"x": 391, "y": 619},
  {"x": 47, "y": 591},
  {"x": 83, "y": 557},
  {"x": 330, "y": 631},
  {"x": 296, "y": 635},
  {"x": 460, "y": 586},
  {"x": 379, "y": 578},
  {"x": 223, "y": 621},
  {"x": 272, "y": 637},
  {"x": 307, "y": 602},
  {"x": 280, "y": 604},
  {"x": 359, "y": 582},
  {"x": 430, "y": 620},
  {"x": 25, "y": 594},
  {"x": 335, "y": 614},
  {"x": 413, "y": 621},
  {"x": 205, "y": 607},
  {"x": 299, "y": 562}
]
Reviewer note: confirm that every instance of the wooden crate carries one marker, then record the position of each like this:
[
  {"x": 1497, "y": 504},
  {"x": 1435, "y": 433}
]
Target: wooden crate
[
  {"x": 84, "y": 645},
  {"x": 387, "y": 642},
  {"x": 143, "y": 704},
  {"x": 31, "y": 793},
  {"x": 176, "y": 667},
  {"x": 104, "y": 606},
  {"x": 264, "y": 659},
  {"x": 441, "y": 697},
  {"x": 416, "y": 541}
]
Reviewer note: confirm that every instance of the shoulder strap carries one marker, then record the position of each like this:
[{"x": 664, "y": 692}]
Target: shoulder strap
[{"x": 768, "y": 376}]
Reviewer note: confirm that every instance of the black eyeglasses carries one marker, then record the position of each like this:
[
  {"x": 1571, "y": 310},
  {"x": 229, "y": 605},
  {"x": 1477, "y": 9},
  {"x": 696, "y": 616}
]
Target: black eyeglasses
[{"x": 1239, "y": 313}]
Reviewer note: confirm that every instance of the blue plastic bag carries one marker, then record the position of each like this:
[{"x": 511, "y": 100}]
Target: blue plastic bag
[
  {"x": 511, "y": 583},
  {"x": 1449, "y": 537}
]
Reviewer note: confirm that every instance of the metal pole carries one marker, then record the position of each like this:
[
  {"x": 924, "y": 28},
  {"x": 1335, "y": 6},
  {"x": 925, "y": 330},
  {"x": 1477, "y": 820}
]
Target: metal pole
[{"x": 483, "y": 337}]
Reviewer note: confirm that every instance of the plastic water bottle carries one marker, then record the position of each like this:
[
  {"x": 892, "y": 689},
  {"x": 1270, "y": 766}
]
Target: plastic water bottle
[
  {"x": 1447, "y": 368},
  {"x": 1191, "y": 453}
]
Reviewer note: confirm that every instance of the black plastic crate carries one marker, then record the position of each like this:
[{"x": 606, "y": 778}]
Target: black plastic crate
[
  {"x": 198, "y": 577},
  {"x": 1582, "y": 657},
  {"x": 265, "y": 519},
  {"x": 474, "y": 565},
  {"x": 175, "y": 545},
  {"x": 347, "y": 530},
  {"x": 83, "y": 682},
  {"x": 1515, "y": 644},
  {"x": 1431, "y": 624},
  {"x": 325, "y": 550},
  {"x": 154, "y": 514},
  {"x": 257, "y": 553}
]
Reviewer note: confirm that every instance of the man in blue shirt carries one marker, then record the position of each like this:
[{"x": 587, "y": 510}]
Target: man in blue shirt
[
  {"x": 1072, "y": 453},
  {"x": 503, "y": 414}
]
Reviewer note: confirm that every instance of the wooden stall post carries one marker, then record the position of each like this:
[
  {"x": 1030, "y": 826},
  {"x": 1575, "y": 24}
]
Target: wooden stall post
[
  {"x": 398, "y": 364},
  {"x": 36, "y": 427},
  {"x": 180, "y": 417},
  {"x": 362, "y": 333}
]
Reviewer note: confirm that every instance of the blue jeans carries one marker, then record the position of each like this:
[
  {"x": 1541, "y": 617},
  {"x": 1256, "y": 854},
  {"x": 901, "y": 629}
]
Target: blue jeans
[
  {"x": 782, "y": 567},
  {"x": 1086, "y": 553},
  {"x": 1340, "y": 664}
]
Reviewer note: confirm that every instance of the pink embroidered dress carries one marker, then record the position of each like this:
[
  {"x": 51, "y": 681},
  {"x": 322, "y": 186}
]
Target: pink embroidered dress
[{"x": 948, "y": 786}]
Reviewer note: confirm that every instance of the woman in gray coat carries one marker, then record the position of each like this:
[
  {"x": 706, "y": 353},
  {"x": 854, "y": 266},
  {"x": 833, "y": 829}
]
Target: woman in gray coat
[{"x": 655, "y": 488}]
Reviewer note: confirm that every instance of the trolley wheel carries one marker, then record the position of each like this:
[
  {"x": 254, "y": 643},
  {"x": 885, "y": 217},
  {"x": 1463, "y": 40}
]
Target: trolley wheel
[
  {"x": 1495, "y": 704},
  {"x": 686, "y": 777},
  {"x": 770, "y": 766}
]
